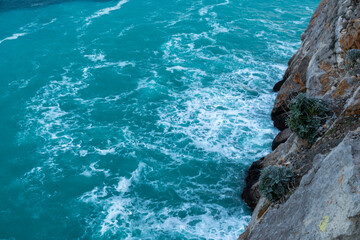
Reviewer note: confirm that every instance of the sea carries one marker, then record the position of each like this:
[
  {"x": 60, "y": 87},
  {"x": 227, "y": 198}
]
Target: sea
[{"x": 137, "y": 119}]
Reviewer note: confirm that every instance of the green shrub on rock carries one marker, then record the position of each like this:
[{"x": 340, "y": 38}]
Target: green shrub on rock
[
  {"x": 353, "y": 55},
  {"x": 275, "y": 181},
  {"x": 353, "y": 58},
  {"x": 306, "y": 116}
]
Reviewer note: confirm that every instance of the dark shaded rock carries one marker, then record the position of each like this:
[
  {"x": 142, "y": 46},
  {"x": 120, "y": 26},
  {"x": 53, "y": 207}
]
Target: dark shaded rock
[
  {"x": 280, "y": 120},
  {"x": 250, "y": 193},
  {"x": 281, "y": 138},
  {"x": 278, "y": 85}
]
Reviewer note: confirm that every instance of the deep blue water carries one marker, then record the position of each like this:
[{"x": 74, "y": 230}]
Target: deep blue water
[{"x": 137, "y": 119}]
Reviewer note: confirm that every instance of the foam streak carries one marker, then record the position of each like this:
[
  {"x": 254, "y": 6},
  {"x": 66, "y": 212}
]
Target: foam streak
[
  {"x": 13, "y": 37},
  {"x": 105, "y": 11}
]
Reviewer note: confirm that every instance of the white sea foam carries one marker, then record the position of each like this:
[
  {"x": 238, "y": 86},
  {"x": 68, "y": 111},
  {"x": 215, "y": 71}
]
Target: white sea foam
[
  {"x": 124, "y": 183},
  {"x": 123, "y": 31},
  {"x": 117, "y": 208},
  {"x": 309, "y": 9},
  {"x": 83, "y": 152},
  {"x": 47, "y": 119},
  {"x": 206, "y": 114},
  {"x": 94, "y": 195},
  {"x": 281, "y": 67},
  {"x": 96, "y": 57},
  {"x": 105, "y": 151},
  {"x": 120, "y": 211},
  {"x": 180, "y": 68},
  {"x": 52, "y": 21},
  {"x": 279, "y": 10},
  {"x": 282, "y": 48},
  {"x": 105, "y": 11},
  {"x": 100, "y": 62},
  {"x": 184, "y": 43},
  {"x": 213, "y": 122},
  {"x": 35, "y": 173},
  {"x": 21, "y": 83},
  {"x": 181, "y": 18},
  {"x": 120, "y": 64},
  {"x": 13, "y": 37},
  {"x": 260, "y": 34},
  {"x": 218, "y": 112},
  {"x": 205, "y": 10},
  {"x": 93, "y": 170},
  {"x": 149, "y": 83},
  {"x": 217, "y": 28},
  {"x": 202, "y": 225}
]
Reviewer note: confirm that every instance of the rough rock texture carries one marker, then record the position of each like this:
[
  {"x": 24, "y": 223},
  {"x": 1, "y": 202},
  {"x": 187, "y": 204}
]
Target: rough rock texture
[
  {"x": 281, "y": 138},
  {"x": 250, "y": 193},
  {"x": 319, "y": 69},
  {"x": 326, "y": 205}
]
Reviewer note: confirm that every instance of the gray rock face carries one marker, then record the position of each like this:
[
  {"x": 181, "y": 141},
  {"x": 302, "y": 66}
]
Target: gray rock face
[
  {"x": 326, "y": 205},
  {"x": 281, "y": 138},
  {"x": 320, "y": 69},
  {"x": 319, "y": 66}
]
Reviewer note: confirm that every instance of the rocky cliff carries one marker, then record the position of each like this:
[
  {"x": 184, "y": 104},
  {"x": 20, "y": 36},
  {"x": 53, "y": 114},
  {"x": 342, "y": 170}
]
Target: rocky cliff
[{"x": 325, "y": 201}]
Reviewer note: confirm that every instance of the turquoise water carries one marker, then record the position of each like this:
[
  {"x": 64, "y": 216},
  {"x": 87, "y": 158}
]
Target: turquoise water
[{"x": 137, "y": 119}]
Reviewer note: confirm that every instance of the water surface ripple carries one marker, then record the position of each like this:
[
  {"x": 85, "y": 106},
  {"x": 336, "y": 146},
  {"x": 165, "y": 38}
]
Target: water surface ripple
[{"x": 137, "y": 119}]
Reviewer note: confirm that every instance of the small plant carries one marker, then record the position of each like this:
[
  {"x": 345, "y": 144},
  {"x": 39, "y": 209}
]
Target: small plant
[
  {"x": 353, "y": 55},
  {"x": 306, "y": 116},
  {"x": 353, "y": 59},
  {"x": 275, "y": 181}
]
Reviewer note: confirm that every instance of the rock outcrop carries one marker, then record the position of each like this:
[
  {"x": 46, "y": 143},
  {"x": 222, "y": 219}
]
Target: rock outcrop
[
  {"x": 325, "y": 201},
  {"x": 250, "y": 193},
  {"x": 281, "y": 138},
  {"x": 319, "y": 67},
  {"x": 326, "y": 205}
]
